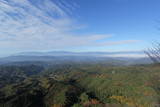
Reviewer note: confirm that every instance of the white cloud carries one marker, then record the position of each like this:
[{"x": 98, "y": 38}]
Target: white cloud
[
  {"x": 127, "y": 55},
  {"x": 26, "y": 25}
]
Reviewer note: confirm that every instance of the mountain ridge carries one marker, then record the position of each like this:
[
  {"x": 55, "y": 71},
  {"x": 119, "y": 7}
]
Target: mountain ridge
[{"x": 69, "y": 53}]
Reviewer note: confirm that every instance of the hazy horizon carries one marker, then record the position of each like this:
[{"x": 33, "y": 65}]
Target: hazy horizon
[{"x": 125, "y": 54}]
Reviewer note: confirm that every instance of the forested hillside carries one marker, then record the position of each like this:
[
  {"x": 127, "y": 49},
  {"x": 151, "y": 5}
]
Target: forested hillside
[{"x": 79, "y": 86}]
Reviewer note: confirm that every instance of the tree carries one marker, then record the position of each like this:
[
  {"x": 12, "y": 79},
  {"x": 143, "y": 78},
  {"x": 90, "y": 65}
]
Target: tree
[
  {"x": 84, "y": 97},
  {"x": 154, "y": 53}
]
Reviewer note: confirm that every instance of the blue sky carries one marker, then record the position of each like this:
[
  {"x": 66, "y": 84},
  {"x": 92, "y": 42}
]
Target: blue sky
[{"x": 78, "y": 25}]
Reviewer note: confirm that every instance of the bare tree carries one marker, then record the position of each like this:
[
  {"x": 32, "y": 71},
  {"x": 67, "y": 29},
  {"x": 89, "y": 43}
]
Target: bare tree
[{"x": 154, "y": 53}]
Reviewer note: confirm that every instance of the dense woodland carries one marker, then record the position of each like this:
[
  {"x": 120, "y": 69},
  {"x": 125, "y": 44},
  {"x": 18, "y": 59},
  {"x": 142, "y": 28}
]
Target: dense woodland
[{"x": 67, "y": 85}]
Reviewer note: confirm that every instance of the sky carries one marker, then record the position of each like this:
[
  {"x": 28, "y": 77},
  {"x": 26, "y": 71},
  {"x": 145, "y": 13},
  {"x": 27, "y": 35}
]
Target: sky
[{"x": 78, "y": 25}]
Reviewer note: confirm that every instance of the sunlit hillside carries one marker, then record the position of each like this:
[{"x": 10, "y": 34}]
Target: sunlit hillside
[{"x": 80, "y": 86}]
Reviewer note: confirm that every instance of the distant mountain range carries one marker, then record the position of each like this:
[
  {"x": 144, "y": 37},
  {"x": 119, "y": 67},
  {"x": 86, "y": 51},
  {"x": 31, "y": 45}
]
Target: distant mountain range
[
  {"x": 134, "y": 54},
  {"x": 58, "y": 57}
]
